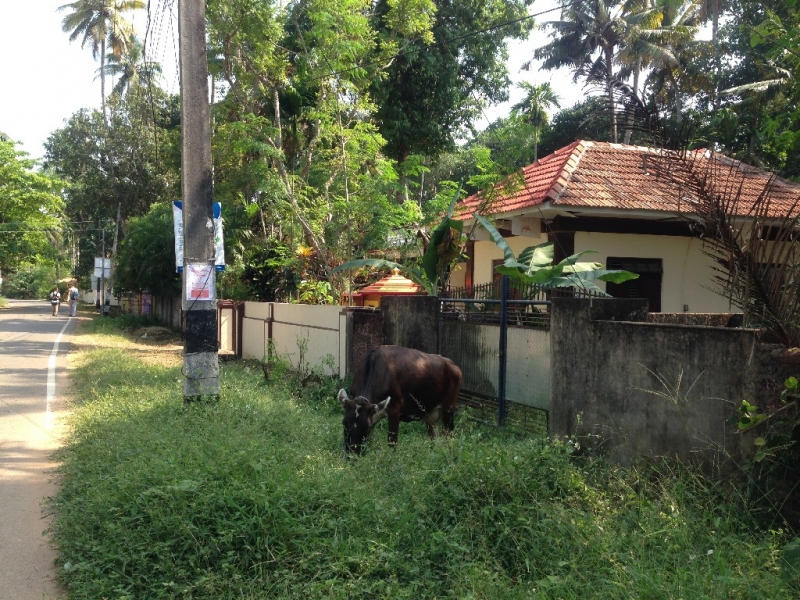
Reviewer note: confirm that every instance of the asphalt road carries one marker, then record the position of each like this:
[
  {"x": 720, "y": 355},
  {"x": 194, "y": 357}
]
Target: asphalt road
[{"x": 32, "y": 379}]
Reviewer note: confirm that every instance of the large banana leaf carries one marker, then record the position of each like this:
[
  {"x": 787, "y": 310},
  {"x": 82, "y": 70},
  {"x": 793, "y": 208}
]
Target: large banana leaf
[
  {"x": 508, "y": 253},
  {"x": 535, "y": 267},
  {"x": 538, "y": 256}
]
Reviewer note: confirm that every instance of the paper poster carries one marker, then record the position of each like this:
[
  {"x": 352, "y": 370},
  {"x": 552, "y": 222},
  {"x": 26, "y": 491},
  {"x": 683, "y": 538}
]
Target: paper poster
[{"x": 200, "y": 284}]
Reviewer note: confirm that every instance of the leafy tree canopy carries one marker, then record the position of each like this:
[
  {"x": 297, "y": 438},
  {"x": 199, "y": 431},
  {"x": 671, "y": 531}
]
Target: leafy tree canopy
[
  {"x": 30, "y": 208},
  {"x": 432, "y": 92},
  {"x": 146, "y": 256},
  {"x": 126, "y": 168}
]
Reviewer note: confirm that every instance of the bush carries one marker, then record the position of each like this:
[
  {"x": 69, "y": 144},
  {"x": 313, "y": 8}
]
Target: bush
[
  {"x": 146, "y": 257},
  {"x": 272, "y": 271}
]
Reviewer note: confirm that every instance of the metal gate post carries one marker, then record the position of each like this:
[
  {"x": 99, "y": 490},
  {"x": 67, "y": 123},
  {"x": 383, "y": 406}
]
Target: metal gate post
[{"x": 501, "y": 375}]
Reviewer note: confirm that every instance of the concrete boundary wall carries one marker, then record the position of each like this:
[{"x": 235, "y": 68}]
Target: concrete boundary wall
[
  {"x": 316, "y": 336},
  {"x": 167, "y": 309},
  {"x": 638, "y": 388},
  {"x": 334, "y": 338},
  {"x": 618, "y": 380},
  {"x": 308, "y": 335}
]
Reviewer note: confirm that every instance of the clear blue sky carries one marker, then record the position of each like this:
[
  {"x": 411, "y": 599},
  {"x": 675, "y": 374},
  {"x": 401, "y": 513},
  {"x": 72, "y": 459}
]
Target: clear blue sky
[{"x": 44, "y": 78}]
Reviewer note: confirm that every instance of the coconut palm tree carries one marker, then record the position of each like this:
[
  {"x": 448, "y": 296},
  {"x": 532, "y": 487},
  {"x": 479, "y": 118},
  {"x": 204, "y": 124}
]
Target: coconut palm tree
[
  {"x": 100, "y": 24},
  {"x": 586, "y": 39},
  {"x": 131, "y": 68},
  {"x": 658, "y": 30},
  {"x": 538, "y": 99}
]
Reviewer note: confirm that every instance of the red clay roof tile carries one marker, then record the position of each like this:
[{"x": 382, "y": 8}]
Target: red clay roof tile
[
  {"x": 600, "y": 174},
  {"x": 392, "y": 284}
]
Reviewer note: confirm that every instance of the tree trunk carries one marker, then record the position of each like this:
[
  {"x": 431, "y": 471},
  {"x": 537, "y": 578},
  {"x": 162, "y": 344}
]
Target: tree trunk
[
  {"x": 610, "y": 85},
  {"x": 717, "y": 57},
  {"x": 103, "y": 81},
  {"x": 629, "y": 127},
  {"x": 308, "y": 233}
]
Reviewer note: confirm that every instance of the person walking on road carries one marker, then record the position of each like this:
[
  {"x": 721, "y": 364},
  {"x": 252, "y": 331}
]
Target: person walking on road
[
  {"x": 73, "y": 299},
  {"x": 55, "y": 300}
]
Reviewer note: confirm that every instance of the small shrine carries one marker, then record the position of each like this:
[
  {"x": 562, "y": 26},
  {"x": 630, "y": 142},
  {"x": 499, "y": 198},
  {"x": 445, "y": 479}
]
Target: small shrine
[{"x": 391, "y": 285}]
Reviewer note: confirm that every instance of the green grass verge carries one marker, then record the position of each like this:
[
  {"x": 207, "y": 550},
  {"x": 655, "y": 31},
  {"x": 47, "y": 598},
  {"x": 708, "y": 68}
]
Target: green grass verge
[{"x": 250, "y": 498}]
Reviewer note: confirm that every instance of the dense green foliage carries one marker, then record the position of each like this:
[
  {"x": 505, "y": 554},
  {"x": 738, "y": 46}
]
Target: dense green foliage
[
  {"x": 30, "y": 210},
  {"x": 432, "y": 92},
  {"x": 250, "y": 498},
  {"x": 335, "y": 122},
  {"x": 271, "y": 272},
  {"x": 123, "y": 169},
  {"x": 32, "y": 281},
  {"x": 146, "y": 258},
  {"x": 760, "y": 118}
]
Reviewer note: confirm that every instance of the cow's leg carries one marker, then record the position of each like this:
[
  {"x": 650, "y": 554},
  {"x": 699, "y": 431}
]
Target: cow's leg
[
  {"x": 448, "y": 421},
  {"x": 431, "y": 420},
  {"x": 449, "y": 411},
  {"x": 394, "y": 429}
]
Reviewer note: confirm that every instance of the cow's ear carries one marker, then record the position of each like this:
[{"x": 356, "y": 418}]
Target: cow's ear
[{"x": 342, "y": 397}]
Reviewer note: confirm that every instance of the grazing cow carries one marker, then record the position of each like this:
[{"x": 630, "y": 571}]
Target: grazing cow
[{"x": 403, "y": 385}]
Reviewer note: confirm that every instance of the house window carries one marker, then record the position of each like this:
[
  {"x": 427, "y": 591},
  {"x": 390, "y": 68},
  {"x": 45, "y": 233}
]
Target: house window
[{"x": 647, "y": 286}]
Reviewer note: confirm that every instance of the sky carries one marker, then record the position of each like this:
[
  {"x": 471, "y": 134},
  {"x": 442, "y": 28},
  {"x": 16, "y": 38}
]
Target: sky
[{"x": 44, "y": 78}]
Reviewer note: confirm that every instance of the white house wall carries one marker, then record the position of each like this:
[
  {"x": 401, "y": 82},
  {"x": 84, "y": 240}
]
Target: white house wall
[
  {"x": 687, "y": 271},
  {"x": 488, "y": 251}
]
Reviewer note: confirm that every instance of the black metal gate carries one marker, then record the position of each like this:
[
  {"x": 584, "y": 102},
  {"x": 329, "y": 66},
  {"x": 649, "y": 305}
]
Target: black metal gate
[{"x": 499, "y": 334}]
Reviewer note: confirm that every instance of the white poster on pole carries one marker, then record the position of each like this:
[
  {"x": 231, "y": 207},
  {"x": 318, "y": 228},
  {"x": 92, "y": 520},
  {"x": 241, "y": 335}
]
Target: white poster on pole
[
  {"x": 177, "y": 221},
  {"x": 198, "y": 282}
]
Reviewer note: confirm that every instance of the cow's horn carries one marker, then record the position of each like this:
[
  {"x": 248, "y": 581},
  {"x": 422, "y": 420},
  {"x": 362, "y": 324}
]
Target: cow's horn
[{"x": 342, "y": 397}]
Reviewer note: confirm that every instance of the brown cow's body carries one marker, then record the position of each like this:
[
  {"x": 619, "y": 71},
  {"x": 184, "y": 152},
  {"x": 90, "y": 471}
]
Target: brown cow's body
[{"x": 419, "y": 386}]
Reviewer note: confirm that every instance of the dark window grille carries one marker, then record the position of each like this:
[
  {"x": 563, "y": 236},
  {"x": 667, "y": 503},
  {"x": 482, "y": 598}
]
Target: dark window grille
[{"x": 647, "y": 286}]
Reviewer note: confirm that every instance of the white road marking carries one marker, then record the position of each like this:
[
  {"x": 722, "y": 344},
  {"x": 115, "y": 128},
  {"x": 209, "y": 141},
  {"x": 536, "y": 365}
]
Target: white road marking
[{"x": 51, "y": 378}]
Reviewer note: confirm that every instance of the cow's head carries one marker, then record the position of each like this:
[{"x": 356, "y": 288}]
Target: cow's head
[{"x": 360, "y": 415}]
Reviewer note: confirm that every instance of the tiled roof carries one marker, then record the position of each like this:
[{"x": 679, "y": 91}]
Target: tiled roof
[
  {"x": 392, "y": 285},
  {"x": 615, "y": 176}
]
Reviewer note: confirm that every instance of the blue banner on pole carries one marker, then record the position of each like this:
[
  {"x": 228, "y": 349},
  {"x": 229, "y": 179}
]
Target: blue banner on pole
[{"x": 177, "y": 218}]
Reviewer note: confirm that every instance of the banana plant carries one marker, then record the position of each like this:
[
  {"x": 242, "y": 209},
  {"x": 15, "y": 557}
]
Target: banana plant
[
  {"x": 535, "y": 266},
  {"x": 443, "y": 248}
]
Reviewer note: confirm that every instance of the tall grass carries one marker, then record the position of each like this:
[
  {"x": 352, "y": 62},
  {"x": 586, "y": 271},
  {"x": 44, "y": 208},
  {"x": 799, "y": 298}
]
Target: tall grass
[{"x": 251, "y": 498}]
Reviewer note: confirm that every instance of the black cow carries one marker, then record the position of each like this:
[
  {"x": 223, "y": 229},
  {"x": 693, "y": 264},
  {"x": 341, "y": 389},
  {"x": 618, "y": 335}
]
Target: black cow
[{"x": 403, "y": 385}]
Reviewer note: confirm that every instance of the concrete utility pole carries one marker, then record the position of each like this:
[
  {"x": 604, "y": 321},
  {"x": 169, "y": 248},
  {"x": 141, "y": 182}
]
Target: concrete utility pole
[{"x": 199, "y": 299}]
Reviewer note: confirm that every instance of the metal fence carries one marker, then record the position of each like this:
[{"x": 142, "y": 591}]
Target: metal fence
[
  {"x": 526, "y": 305},
  {"x": 499, "y": 334}
]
